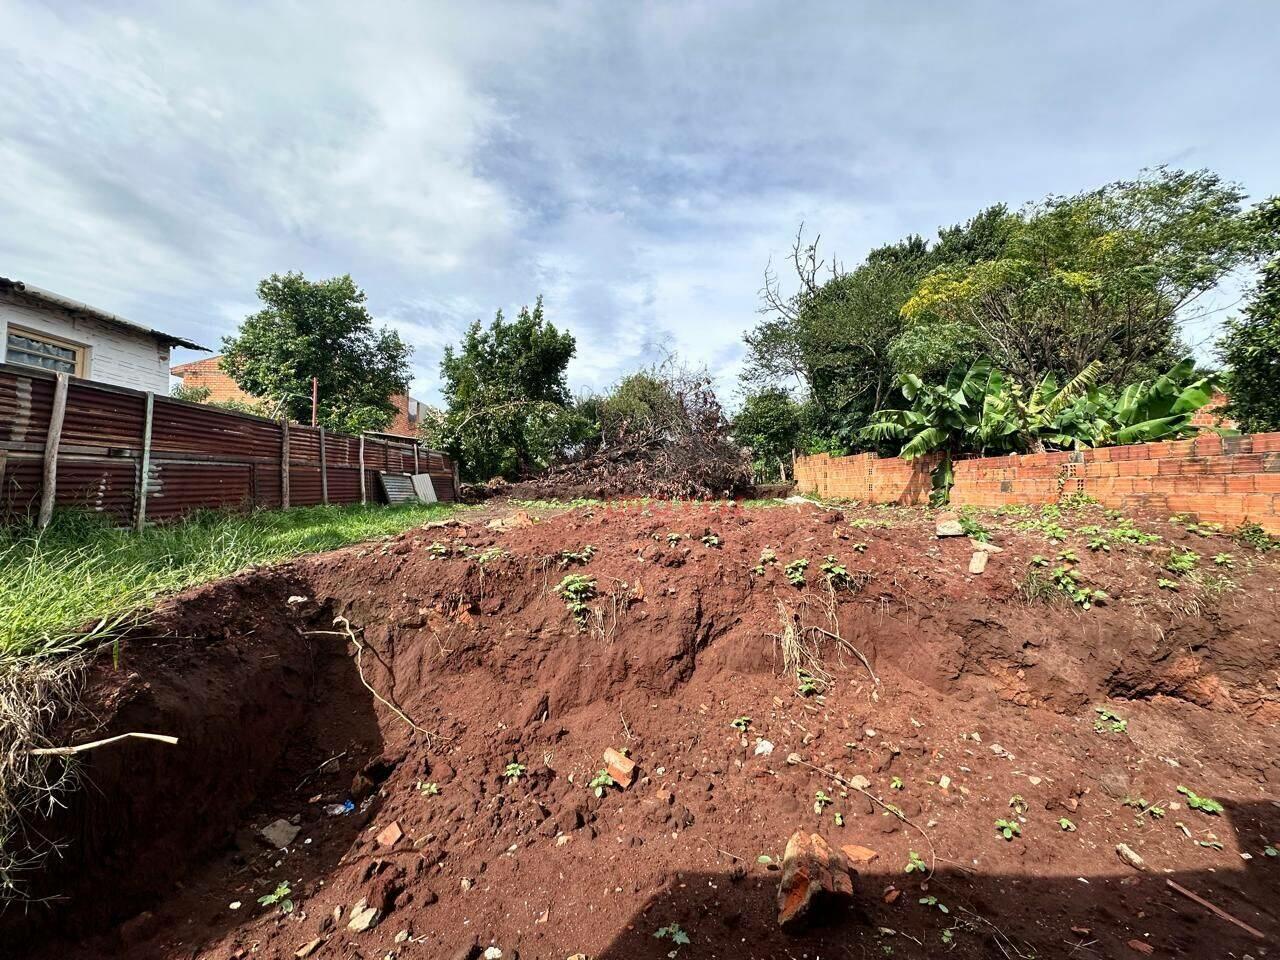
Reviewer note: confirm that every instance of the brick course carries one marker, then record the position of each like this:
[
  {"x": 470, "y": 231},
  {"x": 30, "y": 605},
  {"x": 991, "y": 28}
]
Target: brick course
[{"x": 1228, "y": 480}]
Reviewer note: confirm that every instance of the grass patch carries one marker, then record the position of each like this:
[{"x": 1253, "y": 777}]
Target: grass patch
[
  {"x": 81, "y": 571},
  {"x": 70, "y": 590}
]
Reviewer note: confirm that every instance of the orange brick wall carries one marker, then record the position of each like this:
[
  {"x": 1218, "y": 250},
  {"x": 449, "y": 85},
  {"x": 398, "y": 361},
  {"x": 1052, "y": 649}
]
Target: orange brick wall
[
  {"x": 208, "y": 373},
  {"x": 1229, "y": 480}
]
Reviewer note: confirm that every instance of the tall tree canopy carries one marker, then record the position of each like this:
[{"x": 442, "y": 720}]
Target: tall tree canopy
[
  {"x": 506, "y": 396},
  {"x": 1251, "y": 345},
  {"x": 1106, "y": 275},
  {"x": 318, "y": 329}
]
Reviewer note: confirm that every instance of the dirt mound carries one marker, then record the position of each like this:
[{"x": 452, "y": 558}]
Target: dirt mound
[{"x": 429, "y": 715}]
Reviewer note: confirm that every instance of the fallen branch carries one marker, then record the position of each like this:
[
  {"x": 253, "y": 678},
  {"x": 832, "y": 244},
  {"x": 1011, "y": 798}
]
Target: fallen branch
[
  {"x": 1215, "y": 910},
  {"x": 83, "y": 747}
]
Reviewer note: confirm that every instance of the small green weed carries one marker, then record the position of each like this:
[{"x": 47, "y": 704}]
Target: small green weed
[
  {"x": 1204, "y": 804},
  {"x": 428, "y": 789},
  {"x": 1224, "y": 560},
  {"x": 794, "y": 571},
  {"x": 279, "y": 896},
  {"x": 1109, "y": 721},
  {"x": 674, "y": 933},
  {"x": 767, "y": 558},
  {"x": 896, "y": 784},
  {"x": 513, "y": 772},
  {"x": 1252, "y": 535},
  {"x": 601, "y": 782},
  {"x": 1066, "y": 825},
  {"x": 836, "y": 573},
  {"x": 741, "y": 723},
  {"x": 807, "y": 683},
  {"x": 580, "y": 557},
  {"x": 711, "y": 540},
  {"x": 1164, "y": 583},
  {"x": 577, "y": 590},
  {"x": 1181, "y": 561},
  {"x": 932, "y": 901},
  {"x": 1008, "y": 829},
  {"x": 915, "y": 864},
  {"x": 820, "y": 801}
]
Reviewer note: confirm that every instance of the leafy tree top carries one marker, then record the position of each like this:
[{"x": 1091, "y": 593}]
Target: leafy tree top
[
  {"x": 319, "y": 329},
  {"x": 506, "y": 395},
  {"x": 1251, "y": 344}
]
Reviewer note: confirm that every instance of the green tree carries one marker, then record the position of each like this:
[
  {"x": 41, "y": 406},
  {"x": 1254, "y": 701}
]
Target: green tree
[
  {"x": 843, "y": 340},
  {"x": 507, "y": 402},
  {"x": 318, "y": 329},
  {"x": 1104, "y": 275},
  {"x": 771, "y": 424},
  {"x": 1251, "y": 344}
]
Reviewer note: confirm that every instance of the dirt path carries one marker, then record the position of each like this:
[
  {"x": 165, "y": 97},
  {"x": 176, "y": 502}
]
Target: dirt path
[{"x": 974, "y": 704}]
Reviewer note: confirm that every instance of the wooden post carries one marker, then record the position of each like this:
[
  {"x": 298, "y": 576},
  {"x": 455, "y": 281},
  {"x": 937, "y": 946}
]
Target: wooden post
[
  {"x": 284, "y": 464},
  {"x": 457, "y": 482},
  {"x": 363, "y": 495},
  {"x": 51, "y": 451},
  {"x": 324, "y": 472},
  {"x": 144, "y": 465},
  {"x": 415, "y": 459}
]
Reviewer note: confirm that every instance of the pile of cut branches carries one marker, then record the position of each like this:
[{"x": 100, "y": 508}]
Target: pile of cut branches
[{"x": 675, "y": 446}]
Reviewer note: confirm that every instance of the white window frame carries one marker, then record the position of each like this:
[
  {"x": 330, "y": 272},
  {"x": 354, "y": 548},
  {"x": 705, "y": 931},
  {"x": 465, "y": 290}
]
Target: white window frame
[{"x": 81, "y": 350}]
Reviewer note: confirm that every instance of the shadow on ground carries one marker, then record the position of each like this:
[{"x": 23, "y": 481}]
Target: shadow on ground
[{"x": 733, "y": 914}]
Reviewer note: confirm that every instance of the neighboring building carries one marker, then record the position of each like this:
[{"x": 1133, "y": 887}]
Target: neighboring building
[
  {"x": 50, "y": 332},
  {"x": 208, "y": 373}
]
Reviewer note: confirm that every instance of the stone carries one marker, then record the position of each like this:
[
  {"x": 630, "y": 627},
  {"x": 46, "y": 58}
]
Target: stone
[
  {"x": 492, "y": 953},
  {"x": 307, "y": 949},
  {"x": 858, "y": 854},
  {"x": 815, "y": 881},
  {"x": 279, "y": 833},
  {"x": 1126, "y": 853},
  {"x": 949, "y": 525},
  {"x": 363, "y": 917},
  {"x": 1141, "y": 946},
  {"x": 1115, "y": 784},
  {"x": 978, "y": 562},
  {"x": 763, "y": 748},
  {"x": 621, "y": 768},
  {"x": 390, "y": 835},
  {"x": 985, "y": 547},
  {"x": 859, "y": 782}
]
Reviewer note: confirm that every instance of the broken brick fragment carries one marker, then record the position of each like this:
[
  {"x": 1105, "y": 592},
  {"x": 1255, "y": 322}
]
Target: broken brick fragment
[{"x": 620, "y": 767}]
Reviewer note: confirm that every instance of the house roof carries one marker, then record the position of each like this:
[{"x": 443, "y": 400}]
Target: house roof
[{"x": 75, "y": 306}]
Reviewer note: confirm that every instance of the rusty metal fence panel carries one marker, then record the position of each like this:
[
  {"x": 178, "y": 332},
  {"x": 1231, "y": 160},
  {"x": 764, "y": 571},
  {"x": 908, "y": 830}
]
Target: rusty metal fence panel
[{"x": 196, "y": 457}]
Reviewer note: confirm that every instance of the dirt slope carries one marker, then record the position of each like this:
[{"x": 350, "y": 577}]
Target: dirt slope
[{"x": 971, "y": 695}]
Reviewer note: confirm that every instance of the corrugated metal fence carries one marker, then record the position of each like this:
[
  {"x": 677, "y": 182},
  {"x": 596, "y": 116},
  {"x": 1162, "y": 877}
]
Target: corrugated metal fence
[{"x": 193, "y": 457}]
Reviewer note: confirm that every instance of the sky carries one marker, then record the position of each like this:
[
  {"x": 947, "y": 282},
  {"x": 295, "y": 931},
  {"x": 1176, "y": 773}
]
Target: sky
[{"x": 638, "y": 164}]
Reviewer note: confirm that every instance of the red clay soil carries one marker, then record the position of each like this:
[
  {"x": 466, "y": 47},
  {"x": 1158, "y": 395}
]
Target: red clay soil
[{"x": 975, "y": 704}]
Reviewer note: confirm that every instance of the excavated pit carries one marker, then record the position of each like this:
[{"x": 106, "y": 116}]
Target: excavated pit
[{"x": 459, "y": 626}]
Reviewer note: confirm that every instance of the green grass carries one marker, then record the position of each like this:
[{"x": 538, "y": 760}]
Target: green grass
[{"x": 81, "y": 571}]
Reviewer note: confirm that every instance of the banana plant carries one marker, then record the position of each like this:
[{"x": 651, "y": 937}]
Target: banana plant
[{"x": 979, "y": 410}]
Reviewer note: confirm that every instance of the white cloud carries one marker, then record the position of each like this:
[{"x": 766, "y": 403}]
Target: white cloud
[{"x": 637, "y": 164}]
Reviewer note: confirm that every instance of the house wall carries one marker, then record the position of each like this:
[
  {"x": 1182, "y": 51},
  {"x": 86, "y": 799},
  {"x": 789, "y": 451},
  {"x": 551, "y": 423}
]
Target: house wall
[{"x": 115, "y": 355}]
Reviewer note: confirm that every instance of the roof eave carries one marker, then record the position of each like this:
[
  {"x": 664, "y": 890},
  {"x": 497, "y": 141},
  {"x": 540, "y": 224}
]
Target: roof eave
[{"x": 66, "y": 303}]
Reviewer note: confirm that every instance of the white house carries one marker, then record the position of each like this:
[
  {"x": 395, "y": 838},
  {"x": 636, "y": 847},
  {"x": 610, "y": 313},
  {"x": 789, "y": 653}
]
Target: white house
[{"x": 51, "y": 332}]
